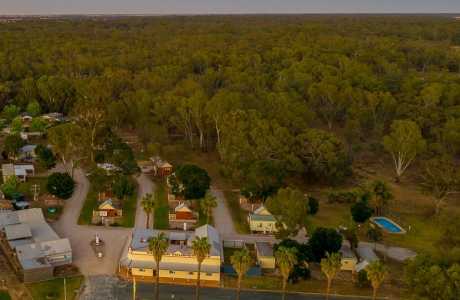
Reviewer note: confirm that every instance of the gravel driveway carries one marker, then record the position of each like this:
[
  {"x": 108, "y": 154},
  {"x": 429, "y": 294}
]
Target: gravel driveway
[{"x": 80, "y": 236}]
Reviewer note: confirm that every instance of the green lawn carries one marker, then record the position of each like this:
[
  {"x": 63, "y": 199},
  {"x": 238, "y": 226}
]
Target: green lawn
[
  {"x": 129, "y": 211},
  {"x": 86, "y": 213},
  {"x": 161, "y": 212},
  {"x": 26, "y": 188},
  {"x": 129, "y": 208},
  {"x": 239, "y": 215},
  {"x": 4, "y": 295},
  {"x": 54, "y": 289}
]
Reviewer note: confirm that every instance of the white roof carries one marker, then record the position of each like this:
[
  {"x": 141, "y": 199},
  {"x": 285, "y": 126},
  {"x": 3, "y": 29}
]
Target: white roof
[
  {"x": 28, "y": 148},
  {"x": 21, "y": 170}
]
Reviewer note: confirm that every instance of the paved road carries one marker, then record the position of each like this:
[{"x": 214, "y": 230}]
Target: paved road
[
  {"x": 145, "y": 186},
  {"x": 110, "y": 288},
  {"x": 81, "y": 236}
]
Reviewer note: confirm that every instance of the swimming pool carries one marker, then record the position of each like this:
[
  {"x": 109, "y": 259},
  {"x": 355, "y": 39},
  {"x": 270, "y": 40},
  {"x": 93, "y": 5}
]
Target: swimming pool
[{"x": 388, "y": 225}]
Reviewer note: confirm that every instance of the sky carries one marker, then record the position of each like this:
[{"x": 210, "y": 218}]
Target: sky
[{"x": 225, "y": 6}]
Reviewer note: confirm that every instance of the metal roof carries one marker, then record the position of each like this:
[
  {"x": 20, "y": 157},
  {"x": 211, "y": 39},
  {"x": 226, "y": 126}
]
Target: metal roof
[
  {"x": 266, "y": 218},
  {"x": 264, "y": 249},
  {"x": 17, "y": 231}
]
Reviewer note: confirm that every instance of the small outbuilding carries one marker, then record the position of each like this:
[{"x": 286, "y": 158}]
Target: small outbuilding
[
  {"x": 161, "y": 168},
  {"x": 108, "y": 212},
  {"x": 349, "y": 259}
]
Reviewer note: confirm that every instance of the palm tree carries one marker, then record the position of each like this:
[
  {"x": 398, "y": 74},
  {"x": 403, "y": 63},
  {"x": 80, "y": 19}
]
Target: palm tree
[
  {"x": 209, "y": 202},
  {"x": 330, "y": 266},
  {"x": 285, "y": 258},
  {"x": 201, "y": 248},
  {"x": 241, "y": 262},
  {"x": 376, "y": 273},
  {"x": 382, "y": 196},
  {"x": 148, "y": 204},
  {"x": 158, "y": 246}
]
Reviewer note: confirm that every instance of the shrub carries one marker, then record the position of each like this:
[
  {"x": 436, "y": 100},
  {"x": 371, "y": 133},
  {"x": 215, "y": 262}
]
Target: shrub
[
  {"x": 324, "y": 240},
  {"x": 361, "y": 279},
  {"x": 304, "y": 255},
  {"x": 361, "y": 211},
  {"x": 123, "y": 187},
  {"x": 61, "y": 185},
  {"x": 9, "y": 188},
  {"x": 313, "y": 206},
  {"x": 195, "y": 181},
  {"x": 343, "y": 197},
  {"x": 374, "y": 234},
  {"x": 45, "y": 157}
]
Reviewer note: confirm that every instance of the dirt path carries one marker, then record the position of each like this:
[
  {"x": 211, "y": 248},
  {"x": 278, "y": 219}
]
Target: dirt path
[
  {"x": 222, "y": 217},
  {"x": 145, "y": 186}
]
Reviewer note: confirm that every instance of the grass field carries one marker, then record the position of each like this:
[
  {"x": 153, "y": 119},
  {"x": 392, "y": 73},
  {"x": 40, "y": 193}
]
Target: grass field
[
  {"x": 409, "y": 207},
  {"x": 88, "y": 206},
  {"x": 161, "y": 212},
  {"x": 129, "y": 211},
  {"x": 26, "y": 188},
  {"x": 4, "y": 295},
  {"x": 54, "y": 289}
]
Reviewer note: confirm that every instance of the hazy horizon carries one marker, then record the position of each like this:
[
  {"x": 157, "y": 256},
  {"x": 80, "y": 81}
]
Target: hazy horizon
[{"x": 198, "y": 7}]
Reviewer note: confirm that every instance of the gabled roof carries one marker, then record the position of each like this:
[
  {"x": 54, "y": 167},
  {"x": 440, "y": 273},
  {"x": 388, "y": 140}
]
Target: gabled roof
[
  {"x": 213, "y": 238},
  {"x": 262, "y": 211},
  {"x": 182, "y": 207},
  {"x": 264, "y": 249},
  {"x": 28, "y": 148},
  {"x": 107, "y": 204},
  {"x": 262, "y": 214}
]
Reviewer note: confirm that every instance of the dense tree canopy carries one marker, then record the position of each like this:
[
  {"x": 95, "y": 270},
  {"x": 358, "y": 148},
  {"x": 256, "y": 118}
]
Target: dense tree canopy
[{"x": 256, "y": 88}]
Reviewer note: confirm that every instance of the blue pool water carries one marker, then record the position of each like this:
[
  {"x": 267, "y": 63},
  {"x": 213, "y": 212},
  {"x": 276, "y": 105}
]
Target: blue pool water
[{"x": 388, "y": 225}]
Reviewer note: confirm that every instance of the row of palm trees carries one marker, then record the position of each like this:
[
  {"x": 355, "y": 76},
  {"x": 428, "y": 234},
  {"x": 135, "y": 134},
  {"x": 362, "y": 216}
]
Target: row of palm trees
[
  {"x": 332, "y": 263},
  {"x": 286, "y": 258},
  {"x": 241, "y": 260}
]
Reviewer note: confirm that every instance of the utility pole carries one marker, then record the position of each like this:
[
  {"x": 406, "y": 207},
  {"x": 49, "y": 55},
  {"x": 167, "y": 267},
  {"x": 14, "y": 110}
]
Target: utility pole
[
  {"x": 35, "y": 190},
  {"x": 65, "y": 289}
]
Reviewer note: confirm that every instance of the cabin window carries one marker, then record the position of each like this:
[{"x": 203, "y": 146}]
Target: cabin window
[
  {"x": 172, "y": 272},
  {"x": 190, "y": 273},
  {"x": 208, "y": 274}
]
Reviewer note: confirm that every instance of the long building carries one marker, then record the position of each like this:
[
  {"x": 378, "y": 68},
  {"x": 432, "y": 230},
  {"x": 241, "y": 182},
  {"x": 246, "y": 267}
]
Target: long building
[
  {"x": 178, "y": 264},
  {"x": 31, "y": 245}
]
